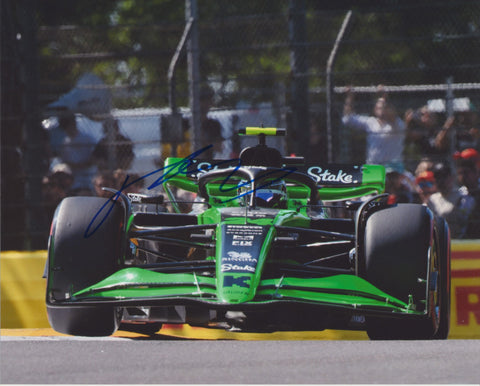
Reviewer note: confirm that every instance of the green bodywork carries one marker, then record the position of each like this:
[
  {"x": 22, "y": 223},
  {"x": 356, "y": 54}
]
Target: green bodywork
[
  {"x": 342, "y": 290},
  {"x": 176, "y": 174},
  {"x": 249, "y": 288}
]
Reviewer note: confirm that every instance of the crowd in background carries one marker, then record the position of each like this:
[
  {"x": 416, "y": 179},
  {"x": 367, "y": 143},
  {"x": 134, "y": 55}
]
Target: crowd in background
[
  {"x": 81, "y": 166},
  {"x": 416, "y": 150},
  {"x": 431, "y": 158}
]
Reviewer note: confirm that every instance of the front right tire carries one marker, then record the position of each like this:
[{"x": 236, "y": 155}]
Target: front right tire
[
  {"x": 444, "y": 263},
  {"x": 398, "y": 242}
]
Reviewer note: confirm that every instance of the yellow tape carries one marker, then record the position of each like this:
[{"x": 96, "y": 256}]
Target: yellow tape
[
  {"x": 263, "y": 130},
  {"x": 23, "y": 300},
  {"x": 23, "y": 289},
  {"x": 466, "y": 245}
]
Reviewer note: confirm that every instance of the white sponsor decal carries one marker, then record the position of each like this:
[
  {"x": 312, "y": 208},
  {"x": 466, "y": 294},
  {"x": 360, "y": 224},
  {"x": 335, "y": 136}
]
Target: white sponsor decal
[
  {"x": 242, "y": 243},
  {"x": 242, "y": 237},
  {"x": 321, "y": 175},
  {"x": 205, "y": 167},
  {"x": 240, "y": 255},
  {"x": 135, "y": 197},
  {"x": 243, "y": 231},
  {"x": 235, "y": 267}
]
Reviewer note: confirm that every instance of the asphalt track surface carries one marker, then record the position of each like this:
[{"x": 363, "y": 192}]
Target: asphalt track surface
[{"x": 162, "y": 359}]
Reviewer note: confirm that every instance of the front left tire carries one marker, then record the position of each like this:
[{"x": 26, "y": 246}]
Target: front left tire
[{"x": 80, "y": 255}]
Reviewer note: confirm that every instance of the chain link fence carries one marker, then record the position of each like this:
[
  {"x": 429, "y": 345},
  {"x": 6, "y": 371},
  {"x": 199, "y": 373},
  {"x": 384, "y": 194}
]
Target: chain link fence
[{"x": 100, "y": 68}]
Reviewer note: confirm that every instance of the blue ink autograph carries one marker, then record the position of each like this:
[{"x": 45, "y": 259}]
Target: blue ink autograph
[{"x": 183, "y": 168}]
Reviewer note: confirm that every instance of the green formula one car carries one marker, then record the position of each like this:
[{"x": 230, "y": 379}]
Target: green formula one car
[{"x": 268, "y": 244}]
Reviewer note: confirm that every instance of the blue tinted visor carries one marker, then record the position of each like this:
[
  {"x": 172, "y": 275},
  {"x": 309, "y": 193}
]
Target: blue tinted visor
[{"x": 265, "y": 196}]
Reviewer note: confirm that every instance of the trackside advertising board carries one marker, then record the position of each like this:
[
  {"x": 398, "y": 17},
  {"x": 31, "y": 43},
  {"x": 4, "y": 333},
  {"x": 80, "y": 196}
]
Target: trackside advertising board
[
  {"x": 23, "y": 298},
  {"x": 465, "y": 319}
]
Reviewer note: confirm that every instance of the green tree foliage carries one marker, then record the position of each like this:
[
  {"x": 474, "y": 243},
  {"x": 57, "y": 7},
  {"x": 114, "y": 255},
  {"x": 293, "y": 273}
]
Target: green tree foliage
[
  {"x": 245, "y": 49},
  {"x": 412, "y": 43}
]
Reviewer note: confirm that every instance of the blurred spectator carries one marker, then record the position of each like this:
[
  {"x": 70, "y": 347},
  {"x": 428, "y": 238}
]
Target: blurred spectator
[
  {"x": 54, "y": 134},
  {"x": 468, "y": 154},
  {"x": 76, "y": 151},
  {"x": 450, "y": 202},
  {"x": 55, "y": 187},
  {"x": 114, "y": 150},
  {"x": 467, "y": 174},
  {"x": 424, "y": 136},
  {"x": 126, "y": 185},
  {"x": 468, "y": 177},
  {"x": 467, "y": 133},
  {"x": 427, "y": 138},
  {"x": 400, "y": 188},
  {"x": 426, "y": 185},
  {"x": 464, "y": 132},
  {"x": 385, "y": 131},
  {"x": 103, "y": 180},
  {"x": 424, "y": 165}
]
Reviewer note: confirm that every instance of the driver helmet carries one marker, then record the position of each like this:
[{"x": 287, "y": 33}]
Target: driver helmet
[{"x": 272, "y": 195}]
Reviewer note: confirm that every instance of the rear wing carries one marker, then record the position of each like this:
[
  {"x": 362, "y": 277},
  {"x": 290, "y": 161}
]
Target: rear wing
[{"x": 335, "y": 182}]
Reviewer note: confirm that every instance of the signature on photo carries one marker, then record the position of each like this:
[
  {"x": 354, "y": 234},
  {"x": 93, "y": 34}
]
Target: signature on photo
[{"x": 183, "y": 167}]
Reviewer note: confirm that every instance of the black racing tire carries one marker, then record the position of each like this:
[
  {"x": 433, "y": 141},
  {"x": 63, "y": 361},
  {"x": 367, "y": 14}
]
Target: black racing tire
[
  {"x": 444, "y": 255},
  {"x": 142, "y": 328},
  {"x": 78, "y": 258},
  {"x": 84, "y": 320},
  {"x": 397, "y": 242}
]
